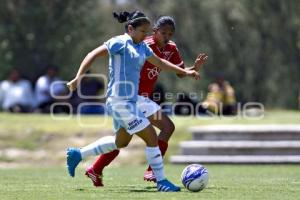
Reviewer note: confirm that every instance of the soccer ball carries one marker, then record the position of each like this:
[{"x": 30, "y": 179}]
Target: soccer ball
[{"x": 194, "y": 177}]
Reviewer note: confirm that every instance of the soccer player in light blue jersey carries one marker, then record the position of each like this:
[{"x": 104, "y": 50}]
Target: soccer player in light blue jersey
[{"x": 127, "y": 55}]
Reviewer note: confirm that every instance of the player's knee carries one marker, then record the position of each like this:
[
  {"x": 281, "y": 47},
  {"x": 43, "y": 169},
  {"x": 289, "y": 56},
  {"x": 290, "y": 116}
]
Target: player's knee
[
  {"x": 169, "y": 128},
  {"x": 151, "y": 140},
  {"x": 121, "y": 144},
  {"x": 152, "y": 143}
]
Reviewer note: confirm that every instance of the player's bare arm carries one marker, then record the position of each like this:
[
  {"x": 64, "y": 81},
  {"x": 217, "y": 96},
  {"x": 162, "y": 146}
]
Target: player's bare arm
[
  {"x": 166, "y": 65},
  {"x": 200, "y": 60},
  {"x": 86, "y": 64}
]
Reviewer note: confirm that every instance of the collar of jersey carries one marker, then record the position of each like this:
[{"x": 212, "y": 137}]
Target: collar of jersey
[{"x": 130, "y": 39}]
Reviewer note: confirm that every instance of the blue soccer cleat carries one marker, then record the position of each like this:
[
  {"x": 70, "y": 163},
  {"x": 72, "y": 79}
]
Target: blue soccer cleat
[
  {"x": 167, "y": 186},
  {"x": 73, "y": 159}
]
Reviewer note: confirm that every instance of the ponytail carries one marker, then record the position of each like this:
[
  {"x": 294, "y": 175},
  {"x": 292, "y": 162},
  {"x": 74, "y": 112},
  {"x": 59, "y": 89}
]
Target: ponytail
[
  {"x": 135, "y": 19},
  {"x": 122, "y": 16}
]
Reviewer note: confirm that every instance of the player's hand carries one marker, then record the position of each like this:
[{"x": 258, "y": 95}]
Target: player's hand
[
  {"x": 200, "y": 60},
  {"x": 72, "y": 85},
  {"x": 193, "y": 73}
]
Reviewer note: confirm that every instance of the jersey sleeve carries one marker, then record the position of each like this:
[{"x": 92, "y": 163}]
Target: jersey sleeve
[
  {"x": 176, "y": 58},
  {"x": 148, "y": 51},
  {"x": 114, "y": 45}
]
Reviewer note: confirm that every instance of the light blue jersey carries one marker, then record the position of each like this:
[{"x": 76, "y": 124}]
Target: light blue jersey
[{"x": 125, "y": 63}]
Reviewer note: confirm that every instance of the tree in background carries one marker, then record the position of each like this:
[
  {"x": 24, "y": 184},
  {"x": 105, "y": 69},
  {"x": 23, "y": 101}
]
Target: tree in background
[
  {"x": 35, "y": 33},
  {"x": 253, "y": 43}
]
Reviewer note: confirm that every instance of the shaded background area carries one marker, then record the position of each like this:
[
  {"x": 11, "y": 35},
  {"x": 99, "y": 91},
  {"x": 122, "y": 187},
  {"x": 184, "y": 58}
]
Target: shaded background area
[{"x": 255, "y": 44}]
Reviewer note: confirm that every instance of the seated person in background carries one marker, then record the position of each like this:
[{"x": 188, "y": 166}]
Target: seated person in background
[
  {"x": 220, "y": 98},
  {"x": 299, "y": 100},
  {"x": 43, "y": 91},
  {"x": 158, "y": 95},
  {"x": 91, "y": 88},
  {"x": 185, "y": 105},
  {"x": 16, "y": 94}
]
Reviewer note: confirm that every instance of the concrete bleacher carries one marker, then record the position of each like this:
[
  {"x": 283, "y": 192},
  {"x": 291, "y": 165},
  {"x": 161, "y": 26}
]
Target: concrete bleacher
[{"x": 241, "y": 144}]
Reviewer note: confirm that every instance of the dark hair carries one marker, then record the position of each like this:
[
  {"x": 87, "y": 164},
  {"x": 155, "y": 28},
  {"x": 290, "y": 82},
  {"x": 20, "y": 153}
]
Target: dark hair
[
  {"x": 164, "y": 20},
  {"x": 135, "y": 19}
]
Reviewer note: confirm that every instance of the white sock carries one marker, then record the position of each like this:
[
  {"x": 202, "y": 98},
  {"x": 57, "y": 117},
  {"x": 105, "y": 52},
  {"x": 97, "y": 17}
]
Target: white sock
[
  {"x": 101, "y": 146},
  {"x": 155, "y": 161}
]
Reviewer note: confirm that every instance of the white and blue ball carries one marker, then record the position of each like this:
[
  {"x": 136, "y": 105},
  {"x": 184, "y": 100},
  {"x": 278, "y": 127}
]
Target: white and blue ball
[{"x": 194, "y": 177}]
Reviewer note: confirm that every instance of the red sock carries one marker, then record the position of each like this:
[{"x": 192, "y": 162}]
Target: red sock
[
  {"x": 104, "y": 160},
  {"x": 163, "y": 146}
]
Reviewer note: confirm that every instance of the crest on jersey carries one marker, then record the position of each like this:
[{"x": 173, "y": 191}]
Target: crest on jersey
[
  {"x": 153, "y": 72},
  {"x": 167, "y": 54}
]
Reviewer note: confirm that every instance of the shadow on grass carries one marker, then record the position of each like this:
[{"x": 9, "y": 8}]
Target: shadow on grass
[
  {"x": 80, "y": 189},
  {"x": 124, "y": 189},
  {"x": 146, "y": 189},
  {"x": 142, "y": 190},
  {"x": 151, "y": 187}
]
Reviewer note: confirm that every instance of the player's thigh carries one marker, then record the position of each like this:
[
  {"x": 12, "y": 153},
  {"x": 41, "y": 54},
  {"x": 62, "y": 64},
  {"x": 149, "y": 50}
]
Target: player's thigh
[
  {"x": 149, "y": 136},
  {"x": 162, "y": 122},
  {"x": 122, "y": 138}
]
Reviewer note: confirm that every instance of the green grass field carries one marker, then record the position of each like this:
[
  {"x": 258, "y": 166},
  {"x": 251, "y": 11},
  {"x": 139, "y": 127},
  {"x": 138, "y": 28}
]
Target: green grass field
[
  {"x": 240, "y": 182},
  {"x": 34, "y": 168}
]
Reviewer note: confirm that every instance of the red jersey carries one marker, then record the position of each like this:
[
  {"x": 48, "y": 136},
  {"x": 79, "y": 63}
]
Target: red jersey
[{"x": 149, "y": 72}]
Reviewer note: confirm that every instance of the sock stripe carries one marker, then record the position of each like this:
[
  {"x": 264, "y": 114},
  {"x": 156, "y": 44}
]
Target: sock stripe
[
  {"x": 95, "y": 151},
  {"x": 101, "y": 146},
  {"x": 157, "y": 165},
  {"x": 100, "y": 149},
  {"x": 108, "y": 147},
  {"x": 155, "y": 160}
]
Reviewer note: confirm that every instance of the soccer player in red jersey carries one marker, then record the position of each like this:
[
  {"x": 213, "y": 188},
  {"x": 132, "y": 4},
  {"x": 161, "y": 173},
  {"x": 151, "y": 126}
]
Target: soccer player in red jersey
[{"x": 163, "y": 47}]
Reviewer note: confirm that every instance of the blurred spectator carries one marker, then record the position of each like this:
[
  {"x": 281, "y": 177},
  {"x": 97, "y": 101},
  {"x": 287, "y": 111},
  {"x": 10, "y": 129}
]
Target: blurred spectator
[
  {"x": 44, "y": 96},
  {"x": 220, "y": 98},
  {"x": 16, "y": 94},
  {"x": 185, "y": 105},
  {"x": 299, "y": 100},
  {"x": 158, "y": 96},
  {"x": 90, "y": 90}
]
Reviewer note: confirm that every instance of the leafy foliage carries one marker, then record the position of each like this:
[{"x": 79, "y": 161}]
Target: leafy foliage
[{"x": 253, "y": 43}]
